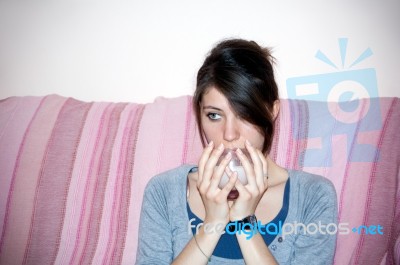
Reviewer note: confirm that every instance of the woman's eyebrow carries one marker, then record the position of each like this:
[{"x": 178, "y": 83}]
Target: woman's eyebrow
[{"x": 211, "y": 107}]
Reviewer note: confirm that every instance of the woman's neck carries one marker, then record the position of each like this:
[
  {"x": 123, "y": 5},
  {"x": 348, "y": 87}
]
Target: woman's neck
[{"x": 276, "y": 173}]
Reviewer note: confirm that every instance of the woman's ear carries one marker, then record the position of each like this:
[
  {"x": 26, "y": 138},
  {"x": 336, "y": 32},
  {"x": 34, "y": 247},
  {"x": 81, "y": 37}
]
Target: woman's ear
[{"x": 277, "y": 105}]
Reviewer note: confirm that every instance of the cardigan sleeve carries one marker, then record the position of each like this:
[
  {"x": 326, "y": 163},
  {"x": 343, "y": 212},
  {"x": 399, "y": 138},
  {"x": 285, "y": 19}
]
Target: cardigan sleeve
[
  {"x": 319, "y": 212},
  {"x": 155, "y": 240}
]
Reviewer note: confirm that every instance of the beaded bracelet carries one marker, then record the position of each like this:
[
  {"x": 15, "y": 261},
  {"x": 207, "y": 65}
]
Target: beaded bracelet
[{"x": 208, "y": 258}]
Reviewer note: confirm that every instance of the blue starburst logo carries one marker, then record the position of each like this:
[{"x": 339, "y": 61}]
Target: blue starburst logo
[{"x": 348, "y": 117}]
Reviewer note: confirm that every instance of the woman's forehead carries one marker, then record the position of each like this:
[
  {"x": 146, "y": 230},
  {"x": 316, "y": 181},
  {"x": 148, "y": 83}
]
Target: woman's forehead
[{"x": 212, "y": 97}]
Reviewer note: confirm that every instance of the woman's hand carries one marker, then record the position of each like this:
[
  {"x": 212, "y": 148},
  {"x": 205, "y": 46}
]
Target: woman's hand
[
  {"x": 250, "y": 194},
  {"x": 214, "y": 199}
]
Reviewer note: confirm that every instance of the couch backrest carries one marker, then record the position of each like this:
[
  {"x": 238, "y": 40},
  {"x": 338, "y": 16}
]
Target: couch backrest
[{"x": 72, "y": 173}]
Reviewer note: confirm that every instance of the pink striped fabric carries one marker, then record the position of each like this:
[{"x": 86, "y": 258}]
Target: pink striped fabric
[{"x": 72, "y": 173}]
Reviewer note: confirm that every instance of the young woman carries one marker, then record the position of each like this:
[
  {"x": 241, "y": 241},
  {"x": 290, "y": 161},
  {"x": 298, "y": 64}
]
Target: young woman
[{"x": 279, "y": 216}]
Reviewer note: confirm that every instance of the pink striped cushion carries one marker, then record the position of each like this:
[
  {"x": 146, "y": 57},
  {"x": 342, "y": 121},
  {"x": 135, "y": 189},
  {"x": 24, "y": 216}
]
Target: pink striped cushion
[{"x": 72, "y": 173}]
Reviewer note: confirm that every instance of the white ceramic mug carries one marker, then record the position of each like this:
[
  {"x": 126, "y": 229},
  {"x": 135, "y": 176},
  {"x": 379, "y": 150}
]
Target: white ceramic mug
[{"x": 234, "y": 165}]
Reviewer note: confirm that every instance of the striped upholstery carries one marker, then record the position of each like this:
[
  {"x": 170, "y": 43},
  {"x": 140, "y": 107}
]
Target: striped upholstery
[{"x": 72, "y": 173}]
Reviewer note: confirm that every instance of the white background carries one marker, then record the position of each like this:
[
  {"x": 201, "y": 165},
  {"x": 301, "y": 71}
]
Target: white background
[{"x": 138, "y": 50}]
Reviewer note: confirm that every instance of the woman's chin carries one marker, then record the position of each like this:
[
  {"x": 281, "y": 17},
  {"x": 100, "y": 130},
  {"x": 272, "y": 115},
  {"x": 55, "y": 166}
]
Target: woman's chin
[{"x": 233, "y": 195}]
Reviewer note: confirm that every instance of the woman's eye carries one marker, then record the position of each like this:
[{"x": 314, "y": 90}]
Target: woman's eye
[{"x": 213, "y": 116}]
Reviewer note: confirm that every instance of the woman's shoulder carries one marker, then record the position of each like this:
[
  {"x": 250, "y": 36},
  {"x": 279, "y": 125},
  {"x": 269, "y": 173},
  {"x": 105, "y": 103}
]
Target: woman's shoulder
[
  {"x": 311, "y": 183},
  {"x": 312, "y": 195},
  {"x": 170, "y": 179}
]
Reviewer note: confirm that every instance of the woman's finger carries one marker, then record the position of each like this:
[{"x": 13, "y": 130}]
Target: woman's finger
[
  {"x": 210, "y": 164},
  {"x": 219, "y": 171},
  {"x": 241, "y": 205},
  {"x": 233, "y": 177},
  {"x": 264, "y": 167},
  {"x": 248, "y": 167},
  {"x": 257, "y": 164},
  {"x": 203, "y": 160}
]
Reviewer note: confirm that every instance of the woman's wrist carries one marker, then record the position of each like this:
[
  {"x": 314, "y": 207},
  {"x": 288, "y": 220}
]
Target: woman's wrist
[
  {"x": 199, "y": 250},
  {"x": 207, "y": 238},
  {"x": 214, "y": 223},
  {"x": 239, "y": 217}
]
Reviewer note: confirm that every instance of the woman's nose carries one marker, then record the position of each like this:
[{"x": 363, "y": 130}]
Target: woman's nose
[{"x": 231, "y": 132}]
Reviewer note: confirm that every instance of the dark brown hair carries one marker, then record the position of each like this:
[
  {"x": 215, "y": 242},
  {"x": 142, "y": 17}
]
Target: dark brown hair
[{"x": 243, "y": 72}]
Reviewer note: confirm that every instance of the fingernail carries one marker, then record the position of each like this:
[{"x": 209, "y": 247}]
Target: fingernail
[
  {"x": 228, "y": 156},
  {"x": 239, "y": 151},
  {"x": 248, "y": 142},
  {"x": 221, "y": 146},
  {"x": 210, "y": 143}
]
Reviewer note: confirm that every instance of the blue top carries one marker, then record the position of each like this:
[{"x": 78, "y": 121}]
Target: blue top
[{"x": 228, "y": 246}]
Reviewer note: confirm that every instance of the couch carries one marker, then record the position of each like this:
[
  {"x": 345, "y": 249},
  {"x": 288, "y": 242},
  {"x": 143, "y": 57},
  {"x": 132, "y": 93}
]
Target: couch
[{"x": 72, "y": 173}]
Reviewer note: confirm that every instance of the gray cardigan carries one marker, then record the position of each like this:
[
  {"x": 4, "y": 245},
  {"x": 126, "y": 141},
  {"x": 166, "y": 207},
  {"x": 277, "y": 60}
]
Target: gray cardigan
[{"x": 163, "y": 229}]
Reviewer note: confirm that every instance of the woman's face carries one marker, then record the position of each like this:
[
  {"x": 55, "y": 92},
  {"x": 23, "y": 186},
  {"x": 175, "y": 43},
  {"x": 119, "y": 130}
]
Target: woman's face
[{"x": 221, "y": 124}]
